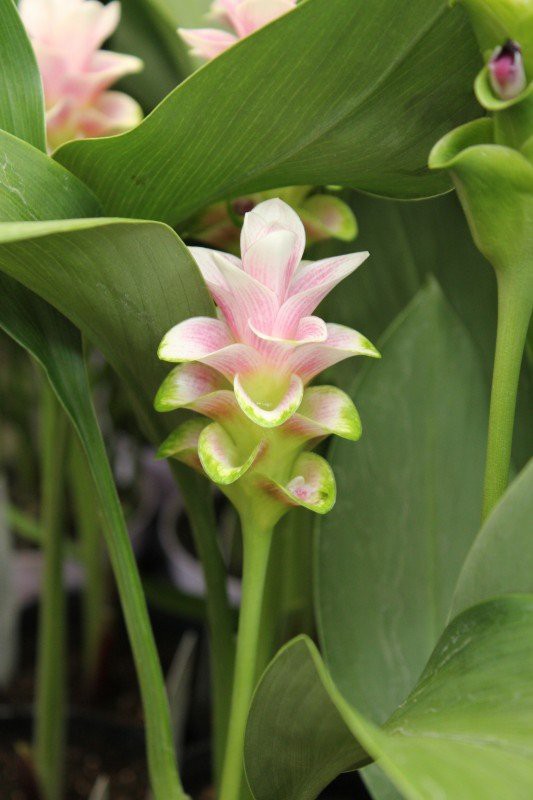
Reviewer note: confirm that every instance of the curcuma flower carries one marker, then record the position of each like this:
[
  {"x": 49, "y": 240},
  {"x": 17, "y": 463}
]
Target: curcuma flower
[
  {"x": 247, "y": 371},
  {"x": 324, "y": 216},
  {"x": 243, "y": 17},
  {"x": 76, "y": 74}
]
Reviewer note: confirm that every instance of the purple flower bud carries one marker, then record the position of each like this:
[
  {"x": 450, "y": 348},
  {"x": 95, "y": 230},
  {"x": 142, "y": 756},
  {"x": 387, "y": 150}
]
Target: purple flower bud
[{"x": 507, "y": 74}]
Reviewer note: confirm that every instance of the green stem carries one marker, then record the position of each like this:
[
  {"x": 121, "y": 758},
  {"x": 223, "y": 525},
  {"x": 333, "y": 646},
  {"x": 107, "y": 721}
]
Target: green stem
[
  {"x": 164, "y": 778},
  {"x": 256, "y": 551},
  {"x": 220, "y": 619},
  {"x": 92, "y": 555},
  {"x": 49, "y": 734},
  {"x": 514, "y": 312}
]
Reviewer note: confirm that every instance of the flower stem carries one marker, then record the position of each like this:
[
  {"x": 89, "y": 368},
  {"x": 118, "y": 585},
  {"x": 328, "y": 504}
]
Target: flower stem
[
  {"x": 49, "y": 734},
  {"x": 92, "y": 553},
  {"x": 514, "y": 312},
  {"x": 257, "y": 543}
]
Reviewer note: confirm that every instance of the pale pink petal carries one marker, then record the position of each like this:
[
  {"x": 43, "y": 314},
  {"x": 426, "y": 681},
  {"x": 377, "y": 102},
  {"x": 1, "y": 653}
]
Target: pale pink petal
[
  {"x": 182, "y": 444},
  {"x": 237, "y": 358},
  {"x": 221, "y": 459},
  {"x": 312, "y": 485},
  {"x": 325, "y": 410},
  {"x": 269, "y": 417},
  {"x": 223, "y": 11},
  {"x": 105, "y": 68},
  {"x": 194, "y": 339},
  {"x": 309, "y": 330},
  {"x": 268, "y": 216},
  {"x": 111, "y": 113},
  {"x": 185, "y": 384},
  {"x": 311, "y": 283},
  {"x": 272, "y": 260},
  {"x": 254, "y": 14},
  {"x": 342, "y": 342},
  {"x": 207, "y": 43},
  {"x": 242, "y": 299},
  {"x": 198, "y": 388}
]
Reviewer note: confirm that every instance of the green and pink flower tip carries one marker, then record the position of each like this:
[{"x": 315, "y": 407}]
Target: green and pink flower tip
[
  {"x": 242, "y": 17},
  {"x": 248, "y": 370}
]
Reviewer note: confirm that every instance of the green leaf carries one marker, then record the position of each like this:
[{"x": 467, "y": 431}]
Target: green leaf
[
  {"x": 123, "y": 283},
  {"x": 390, "y": 551},
  {"x": 337, "y": 91},
  {"x": 148, "y": 30},
  {"x": 21, "y": 94},
  {"x": 36, "y": 187},
  {"x": 465, "y": 730},
  {"x": 421, "y": 239},
  {"x": 501, "y": 558}
]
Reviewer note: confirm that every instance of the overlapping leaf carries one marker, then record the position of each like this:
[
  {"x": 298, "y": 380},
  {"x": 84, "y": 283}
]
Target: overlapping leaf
[
  {"x": 501, "y": 558},
  {"x": 390, "y": 551},
  {"x": 21, "y": 94},
  {"x": 337, "y": 91},
  {"x": 464, "y": 731}
]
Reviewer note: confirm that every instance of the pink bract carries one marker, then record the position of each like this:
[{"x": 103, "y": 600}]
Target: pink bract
[
  {"x": 243, "y": 17},
  {"x": 66, "y": 36},
  {"x": 267, "y": 343}
]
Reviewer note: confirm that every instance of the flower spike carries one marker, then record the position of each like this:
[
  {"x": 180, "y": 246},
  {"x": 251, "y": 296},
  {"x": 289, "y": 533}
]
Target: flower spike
[
  {"x": 242, "y": 16},
  {"x": 66, "y": 36},
  {"x": 248, "y": 369}
]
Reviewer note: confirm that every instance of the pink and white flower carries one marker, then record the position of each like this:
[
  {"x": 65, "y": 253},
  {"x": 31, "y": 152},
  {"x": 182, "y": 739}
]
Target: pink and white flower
[
  {"x": 66, "y": 36},
  {"x": 243, "y": 17},
  {"x": 248, "y": 369}
]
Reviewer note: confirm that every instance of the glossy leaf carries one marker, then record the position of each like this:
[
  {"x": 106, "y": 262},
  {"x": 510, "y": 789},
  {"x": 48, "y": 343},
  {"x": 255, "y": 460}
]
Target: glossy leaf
[
  {"x": 465, "y": 730},
  {"x": 390, "y": 551},
  {"x": 327, "y": 93},
  {"x": 123, "y": 283},
  {"x": 21, "y": 94},
  {"x": 56, "y": 344},
  {"x": 501, "y": 558},
  {"x": 421, "y": 238}
]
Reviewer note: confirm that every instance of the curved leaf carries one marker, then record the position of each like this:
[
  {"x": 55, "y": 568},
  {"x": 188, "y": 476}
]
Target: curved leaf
[
  {"x": 35, "y": 187},
  {"x": 123, "y": 283},
  {"x": 337, "y": 91},
  {"x": 389, "y": 553},
  {"x": 465, "y": 730},
  {"x": 501, "y": 558},
  {"x": 21, "y": 93}
]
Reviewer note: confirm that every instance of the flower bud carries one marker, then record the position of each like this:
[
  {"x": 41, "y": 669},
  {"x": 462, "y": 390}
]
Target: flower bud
[{"x": 506, "y": 68}]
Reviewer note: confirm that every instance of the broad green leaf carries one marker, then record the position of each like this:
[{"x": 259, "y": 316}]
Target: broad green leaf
[
  {"x": 21, "y": 93},
  {"x": 501, "y": 558},
  {"x": 337, "y": 91},
  {"x": 148, "y": 30},
  {"x": 123, "y": 283},
  {"x": 408, "y": 241},
  {"x": 33, "y": 187},
  {"x": 408, "y": 506},
  {"x": 56, "y": 344},
  {"x": 464, "y": 732}
]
